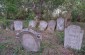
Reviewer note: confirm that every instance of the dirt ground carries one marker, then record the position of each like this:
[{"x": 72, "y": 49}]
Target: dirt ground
[
  {"x": 51, "y": 44},
  {"x": 10, "y": 45}
]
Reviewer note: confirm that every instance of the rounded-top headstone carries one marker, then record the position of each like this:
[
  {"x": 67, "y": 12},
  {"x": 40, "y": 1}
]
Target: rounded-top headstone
[
  {"x": 74, "y": 28},
  {"x": 73, "y": 37},
  {"x": 42, "y": 25},
  {"x": 51, "y": 25},
  {"x": 32, "y": 23},
  {"x": 30, "y": 41}
]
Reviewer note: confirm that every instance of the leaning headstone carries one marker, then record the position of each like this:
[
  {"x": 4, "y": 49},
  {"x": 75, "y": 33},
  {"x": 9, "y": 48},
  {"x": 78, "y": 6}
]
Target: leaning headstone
[
  {"x": 30, "y": 41},
  {"x": 42, "y": 25},
  {"x": 73, "y": 37},
  {"x": 32, "y": 24},
  {"x": 51, "y": 26},
  {"x": 60, "y": 24},
  {"x": 18, "y": 25}
]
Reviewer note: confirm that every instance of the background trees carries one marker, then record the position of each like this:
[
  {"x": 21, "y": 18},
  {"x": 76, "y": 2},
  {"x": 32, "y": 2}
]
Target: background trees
[
  {"x": 41, "y": 9},
  {"x": 77, "y": 8}
]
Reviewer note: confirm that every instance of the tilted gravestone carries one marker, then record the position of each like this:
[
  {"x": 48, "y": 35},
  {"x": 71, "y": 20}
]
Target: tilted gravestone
[
  {"x": 51, "y": 26},
  {"x": 30, "y": 41},
  {"x": 60, "y": 24},
  {"x": 32, "y": 23},
  {"x": 18, "y": 25},
  {"x": 42, "y": 25},
  {"x": 73, "y": 37}
]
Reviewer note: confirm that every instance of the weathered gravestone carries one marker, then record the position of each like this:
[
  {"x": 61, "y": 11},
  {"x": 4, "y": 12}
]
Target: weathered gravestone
[
  {"x": 30, "y": 41},
  {"x": 42, "y": 25},
  {"x": 73, "y": 37},
  {"x": 18, "y": 25},
  {"x": 2, "y": 26},
  {"x": 11, "y": 25},
  {"x": 51, "y": 26},
  {"x": 60, "y": 24},
  {"x": 32, "y": 24}
]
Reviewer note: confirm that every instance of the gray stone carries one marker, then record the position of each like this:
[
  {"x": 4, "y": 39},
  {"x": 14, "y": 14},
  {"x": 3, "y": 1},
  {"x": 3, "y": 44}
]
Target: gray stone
[
  {"x": 2, "y": 26},
  {"x": 42, "y": 25},
  {"x": 31, "y": 42},
  {"x": 73, "y": 37},
  {"x": 18, "y": 25},
  {"x": 36, "y": 33},
  {"x": 51, "y": 26},
  {"x": 32, "y": 24},
  {"x": 11, "y": 26},
  {"x": 60, "y": 24}
]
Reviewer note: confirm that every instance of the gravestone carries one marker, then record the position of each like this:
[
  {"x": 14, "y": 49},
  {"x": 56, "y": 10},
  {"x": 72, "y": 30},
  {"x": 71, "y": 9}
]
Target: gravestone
[
  {"x": 42, "y": 25},
  {"x": 18, "y": 25},
  {"x": 73, "y": 37},
  {"x": 11, "y": 26},
  {"x": 51, "y": 26},
  {"x": 2, "y": 26},
  {"x": 32, "y": 24},
  {"x": 30, "y": 41},
  {"x": 60, "y": 24}
]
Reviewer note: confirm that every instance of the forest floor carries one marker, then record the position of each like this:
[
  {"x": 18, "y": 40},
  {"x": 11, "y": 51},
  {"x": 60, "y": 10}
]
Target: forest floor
[{"x": 52, "y": 44}]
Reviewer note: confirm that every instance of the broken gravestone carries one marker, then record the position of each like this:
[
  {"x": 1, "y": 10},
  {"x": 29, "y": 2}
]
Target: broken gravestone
[
  {"x": 32, "y": 24},
  {"x": 18, "y": 25},
  {"x": 42, "y": 25},
  {"x": 51, "y": 26},
  {"x": 30, "y": 41},
  {"x": 73, "y": 37},
  {"x": 60, "y": 24}
]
